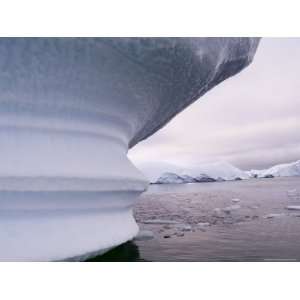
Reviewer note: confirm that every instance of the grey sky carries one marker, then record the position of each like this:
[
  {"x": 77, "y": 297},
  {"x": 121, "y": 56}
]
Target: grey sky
[{"x": 251, "y": 120}]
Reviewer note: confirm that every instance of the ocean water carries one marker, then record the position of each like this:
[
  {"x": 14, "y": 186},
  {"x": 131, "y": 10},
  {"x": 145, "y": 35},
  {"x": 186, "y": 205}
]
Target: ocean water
[{"x": 223, "y": 221}]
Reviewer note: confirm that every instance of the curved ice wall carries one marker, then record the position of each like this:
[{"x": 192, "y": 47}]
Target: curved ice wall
[{"x": 69, "y": 110}]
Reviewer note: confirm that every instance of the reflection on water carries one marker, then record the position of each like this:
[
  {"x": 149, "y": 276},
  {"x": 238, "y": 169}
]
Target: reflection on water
[{"x": 125, "y": 252}]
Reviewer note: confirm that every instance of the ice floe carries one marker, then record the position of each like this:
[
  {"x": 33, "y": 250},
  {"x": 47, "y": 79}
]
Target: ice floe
[{"x": 293, "y": 207}]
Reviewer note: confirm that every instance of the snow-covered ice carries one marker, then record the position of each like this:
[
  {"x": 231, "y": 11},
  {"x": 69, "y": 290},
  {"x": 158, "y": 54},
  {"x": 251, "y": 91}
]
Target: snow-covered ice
[
  {"x": 184, "y": 227},
  {"x": 217, "y": 171},
  {"x": 168, "y": 177},
  {"x": 210, "y": 172},
  {"x": 231, "y": 208},
  {"x": 220, "y": 169},
  {"x": 70, "y": 110},
  {"x": 281, "y": 170},
  {"x": 204, "y": 178}
]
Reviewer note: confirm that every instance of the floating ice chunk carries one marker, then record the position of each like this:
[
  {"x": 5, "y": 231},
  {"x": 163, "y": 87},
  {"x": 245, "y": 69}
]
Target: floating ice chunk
[
  {"x": 295, "y": 215},
  {"x": 235, "y": 200},
  {"x": 167, "y": 226},
  {"x": 230, "y": 208},
  {"x": 271, "y": 216},
  {"x": 203, "y": 224},
  {"x": 217, "y": 212},
  {"x": 144, "y": 235},
  {"x": 184, "y": 227},
  {"x": 159, "y": 221},
  {"x": 72, "y": 136},
  {"x": 179, "y": 234},
  {"x": 293, "y": 207}
]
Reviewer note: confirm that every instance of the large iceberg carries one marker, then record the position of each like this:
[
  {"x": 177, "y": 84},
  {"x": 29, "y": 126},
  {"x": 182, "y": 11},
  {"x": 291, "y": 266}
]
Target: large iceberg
[
  {"x": 70, "y": 109},
  {"x": 216, "y": 170},
  {"x": 281, "y": 170},
  {"x": 168, "y": 177},
  {"x": 158, "y": 172}
]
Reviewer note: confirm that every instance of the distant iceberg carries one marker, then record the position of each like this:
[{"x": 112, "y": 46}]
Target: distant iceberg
[
  {"x": 217, "y": 170},
  {"x": 175, "y": 178},
  {"x": 171, "y": 178},
  {"x": 221, "y": 171},
  {"x": 155, "y": 169},
  {"x": 281, "y": 170},
  {"x": 209, "y": 172}
]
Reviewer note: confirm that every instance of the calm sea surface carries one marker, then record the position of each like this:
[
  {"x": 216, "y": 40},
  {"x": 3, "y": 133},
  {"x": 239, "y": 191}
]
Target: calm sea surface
[{"x": 223, "y": 221}]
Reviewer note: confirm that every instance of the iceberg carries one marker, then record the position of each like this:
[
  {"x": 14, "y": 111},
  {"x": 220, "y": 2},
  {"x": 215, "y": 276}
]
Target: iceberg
[
  {"x": 174, "y": 178},
  {"x": 218, "y": 170},
  {"x": 281, "y": 170},
  {"x": 188, "y": 178},
  {"x": 170, "y": 178},
  {"x": 70, "y": 110},
  {"x": 209, "y": 172},
  {"x": 153, "y": 170},
  {"x": 204, "y": 178}
]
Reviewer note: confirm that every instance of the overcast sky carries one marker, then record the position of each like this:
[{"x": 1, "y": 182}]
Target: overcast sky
[{"x": 251, "y": 120}]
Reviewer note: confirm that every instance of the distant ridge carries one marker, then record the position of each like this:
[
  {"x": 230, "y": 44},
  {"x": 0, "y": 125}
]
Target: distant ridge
[
  {"x": 162, "y": 172},
  {"x": 281, "y": 170}
]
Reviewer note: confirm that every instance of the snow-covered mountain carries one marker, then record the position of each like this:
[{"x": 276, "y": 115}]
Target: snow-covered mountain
[
  {"x": 170, "y": 178},
  {"x": 287, "y": 169},
  {"x": 217, "y": 170},
  {"x": 153, "y": 170},
  {"x": 162, "y": 172},
  {"x": 175, "y": 178},
  {"x": 188, "y": 178},
  {"x": 204, "y": 178}
]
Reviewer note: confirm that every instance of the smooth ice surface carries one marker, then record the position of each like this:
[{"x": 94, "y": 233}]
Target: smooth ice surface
[{"x": 69, "y": 110}]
